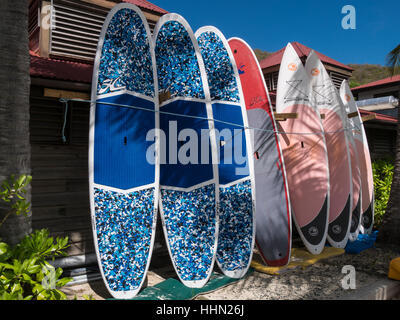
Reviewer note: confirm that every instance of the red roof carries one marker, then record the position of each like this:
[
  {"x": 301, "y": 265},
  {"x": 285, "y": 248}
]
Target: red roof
[
  {"x": 302, "y": 51},
  {"x": 60, "y": 69},
  {"x": 146, "y": 5},
  {"x": 378, "y": 116},
  {"x": 381, "y": 82}
]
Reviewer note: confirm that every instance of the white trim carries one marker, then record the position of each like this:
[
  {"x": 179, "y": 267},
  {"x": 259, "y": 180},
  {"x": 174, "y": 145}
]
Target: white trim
[
  {"x": 124, "y": 191},
  {"x": 116, "y": 294},
  {"x": 189, "y": 189},
  {"x": 121, "y": 92},
  {"x": 230, "y": 184},
  {"x": 178, "y": 98},
  {"x": 227, "y": 102}
]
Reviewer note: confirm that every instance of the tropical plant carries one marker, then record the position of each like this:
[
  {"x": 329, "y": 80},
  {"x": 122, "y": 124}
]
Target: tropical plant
[
  {"x": 25, "y": 273},
  {"x": 13, "y": 192},
  {"x": 383, "y": 174},
  {"x": 393, "y": 59}
]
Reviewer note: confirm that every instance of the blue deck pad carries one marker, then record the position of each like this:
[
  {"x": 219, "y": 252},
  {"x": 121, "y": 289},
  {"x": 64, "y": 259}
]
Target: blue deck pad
[
  {"x": 177, "y": 66},
  {"x": 224, "y": 87},
  {"x": 233, "y": 161},
  {"x": 125, "y": 60},
  {"x": 124, "y": 229},
  {"x": 187, "y": 162},
  {"x": 120, "y": 143},
  {"x": 236, "y": 230},
  {"x": 190, "y": 221},
  {"x": 221, "y": 77}
]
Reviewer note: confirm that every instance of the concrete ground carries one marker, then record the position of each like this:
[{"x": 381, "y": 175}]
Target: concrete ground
[{"x": 326, "y": 280}]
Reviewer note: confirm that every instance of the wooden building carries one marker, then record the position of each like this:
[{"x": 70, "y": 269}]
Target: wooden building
[
  {"x": 61, "y": 66},
  {"x": 382, "y": 131}
]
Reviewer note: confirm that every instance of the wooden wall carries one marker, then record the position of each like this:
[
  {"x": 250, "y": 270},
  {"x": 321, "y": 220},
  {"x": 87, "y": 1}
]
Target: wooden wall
[
  {"x": 60, "y": 199},
  {"x": 381, "y": 140},
  {"x": 60, "y": 188}
]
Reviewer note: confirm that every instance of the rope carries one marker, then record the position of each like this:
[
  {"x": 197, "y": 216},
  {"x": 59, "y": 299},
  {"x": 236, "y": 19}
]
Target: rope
[{"x": 65, "y": 100}]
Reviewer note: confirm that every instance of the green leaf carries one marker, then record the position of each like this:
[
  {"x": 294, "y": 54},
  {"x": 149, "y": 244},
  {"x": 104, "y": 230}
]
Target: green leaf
[{"x": 3, "y": 248}]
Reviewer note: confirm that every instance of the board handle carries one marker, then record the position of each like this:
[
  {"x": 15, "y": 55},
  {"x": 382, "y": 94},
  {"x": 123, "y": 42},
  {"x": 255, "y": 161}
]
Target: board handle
[
  {"x": 284, "y": 116},
  {"x": 164, "y": 96},
  {"x": 369, "y": 117},
  {"x": 352, "y": 114}
]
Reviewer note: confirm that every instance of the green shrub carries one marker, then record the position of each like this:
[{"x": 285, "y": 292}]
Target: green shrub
[
  {"x": 24, "y": 272},
  {"x": 12, "y": 192},
  {"x": 383, "y": 174}
]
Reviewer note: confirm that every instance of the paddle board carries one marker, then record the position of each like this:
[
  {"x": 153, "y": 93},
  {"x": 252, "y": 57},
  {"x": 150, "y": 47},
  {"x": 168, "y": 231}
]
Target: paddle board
[
  {"x": 188, "y": 168},
  {"x": 123, "y": 183},
  {"x": 273, "y": 212},
  {"x": 355, "y": 172},
  {"x": 325, "y": 97},
  {"x": 367, "y": 182},
  {"x": 304, "y": 152},
  {"x": 235, "y": 169}
]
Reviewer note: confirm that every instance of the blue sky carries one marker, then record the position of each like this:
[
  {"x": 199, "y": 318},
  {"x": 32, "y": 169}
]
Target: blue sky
[{"x": 270, "y": 25}]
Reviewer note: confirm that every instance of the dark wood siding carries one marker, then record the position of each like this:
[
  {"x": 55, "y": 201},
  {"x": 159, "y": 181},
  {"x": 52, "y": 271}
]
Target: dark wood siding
[
  {"x": 60, "y": 199},
  {"x": 381, "y": 140}
]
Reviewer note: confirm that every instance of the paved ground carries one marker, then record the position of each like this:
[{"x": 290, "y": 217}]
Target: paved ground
[{"x": 323, "y": 280}]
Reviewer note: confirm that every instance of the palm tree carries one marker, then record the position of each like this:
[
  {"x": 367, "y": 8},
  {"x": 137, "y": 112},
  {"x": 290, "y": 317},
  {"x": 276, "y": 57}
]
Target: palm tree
[
  {"x": 389, "y": 232},
  {"x": 14, "y": 106}
]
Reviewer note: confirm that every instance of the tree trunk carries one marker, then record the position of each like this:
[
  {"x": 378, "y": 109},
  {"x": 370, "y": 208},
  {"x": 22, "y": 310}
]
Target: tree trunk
[
  {"x": 389, "y": 232},
  {"x": 14, "y": 107}
]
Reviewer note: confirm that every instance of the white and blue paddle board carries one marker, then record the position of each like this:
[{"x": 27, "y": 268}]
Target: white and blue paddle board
[
  {"x": 235, "y": 167},
  {"x": 123, "y": 180},
  {"x": 188, "y": 168}
]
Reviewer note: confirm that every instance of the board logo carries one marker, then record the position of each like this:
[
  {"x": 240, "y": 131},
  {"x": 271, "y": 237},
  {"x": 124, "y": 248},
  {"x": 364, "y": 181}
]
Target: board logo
[
  {"x": 315, "y": 72},
  {"x": 365, "y": 220},
  {"x": 292, "y": 66},
  {"x": 240, "y": 69},
  {"x": 347, "y": 97},
  {"x": 111, "y": 85},
  {"x": 336, "y": 229},
  {"x": 313, "y": 231}
]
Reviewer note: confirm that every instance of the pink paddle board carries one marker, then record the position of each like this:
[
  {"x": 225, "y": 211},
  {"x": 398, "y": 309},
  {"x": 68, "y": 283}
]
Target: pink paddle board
[
  {"x": 367, "y": 182},
  {"x": 325, "y": 97},
  {"x": 304, "y": 152}
]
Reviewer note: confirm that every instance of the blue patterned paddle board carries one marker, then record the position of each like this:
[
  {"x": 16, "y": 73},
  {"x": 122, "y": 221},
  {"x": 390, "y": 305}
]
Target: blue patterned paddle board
[
  {"x": 236, "y": 171},
  {"x": 123, "y": 178},
  {"x": 188, "y": 170}
]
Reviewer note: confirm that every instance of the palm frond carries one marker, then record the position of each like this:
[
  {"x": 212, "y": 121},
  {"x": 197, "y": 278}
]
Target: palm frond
[{"x": 393, "y": 59}]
